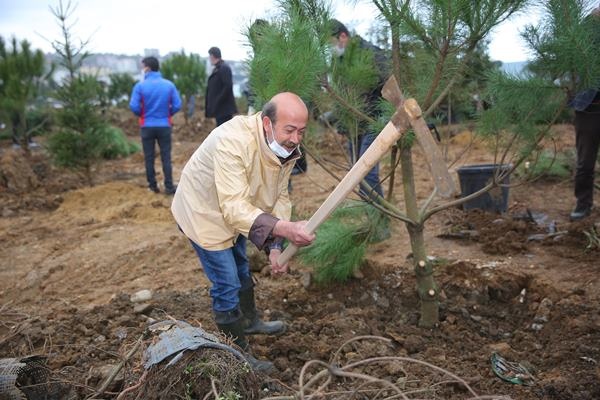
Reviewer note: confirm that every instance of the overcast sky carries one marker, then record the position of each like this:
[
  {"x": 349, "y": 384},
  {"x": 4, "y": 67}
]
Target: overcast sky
[{"x": 130, "y": 26}]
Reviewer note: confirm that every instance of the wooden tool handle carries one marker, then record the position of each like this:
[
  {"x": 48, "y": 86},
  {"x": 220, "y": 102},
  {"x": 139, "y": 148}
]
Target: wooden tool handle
[
  {"x": 288, "y": 253},
  {"x": 435, "y": 160},
  {"x": 382, "y": 143}
]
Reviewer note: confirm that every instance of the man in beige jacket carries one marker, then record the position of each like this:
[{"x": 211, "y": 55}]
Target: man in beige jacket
[{"x": 235, "y": 187}]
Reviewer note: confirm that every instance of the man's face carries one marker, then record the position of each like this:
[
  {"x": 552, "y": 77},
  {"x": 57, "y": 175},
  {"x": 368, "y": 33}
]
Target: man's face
[
  {"x": 289, "y": 128},
  {"x": 213, "y": 60},
  {"x": 340, "y": 42}
]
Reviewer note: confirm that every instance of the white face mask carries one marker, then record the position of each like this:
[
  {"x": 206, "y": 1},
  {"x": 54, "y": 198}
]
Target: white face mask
[
  {"x": 338, "y": 51},
  {"x": 276, "y": 148}
]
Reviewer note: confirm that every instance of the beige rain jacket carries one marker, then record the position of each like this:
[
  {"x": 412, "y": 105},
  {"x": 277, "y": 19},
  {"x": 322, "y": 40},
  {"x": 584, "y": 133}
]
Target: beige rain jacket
[{"x": 230, "y": 180}]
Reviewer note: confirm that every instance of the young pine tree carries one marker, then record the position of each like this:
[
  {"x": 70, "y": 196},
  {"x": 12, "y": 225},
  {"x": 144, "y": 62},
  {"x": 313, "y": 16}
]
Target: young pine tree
[
  {"x": 21, "y": 71},
  {"x": 188, "y": 73},
  {"x": 445, "y": 37},
  {"x": 83, "y": 136}
]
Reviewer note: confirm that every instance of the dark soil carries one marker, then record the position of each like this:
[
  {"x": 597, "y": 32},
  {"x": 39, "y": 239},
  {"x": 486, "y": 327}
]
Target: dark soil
[{"x": 72, "y": 258}]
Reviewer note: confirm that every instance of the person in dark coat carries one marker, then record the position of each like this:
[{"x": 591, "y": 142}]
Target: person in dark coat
[
  {"x": 220, "y": 102},
  {"x": 351, "y": 50},
  {"x": 586, "y": 104}
]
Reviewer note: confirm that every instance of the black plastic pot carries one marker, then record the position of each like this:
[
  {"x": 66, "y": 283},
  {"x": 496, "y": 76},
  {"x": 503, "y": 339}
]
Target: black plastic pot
[{"x": 475, "y": 177}]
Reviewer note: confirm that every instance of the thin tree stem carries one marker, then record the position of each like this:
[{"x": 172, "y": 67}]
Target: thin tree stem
[
  {"x": 426, "y": 286},
  {"x": 346, "y": 105},
  {"x": 393, "y": 163}
]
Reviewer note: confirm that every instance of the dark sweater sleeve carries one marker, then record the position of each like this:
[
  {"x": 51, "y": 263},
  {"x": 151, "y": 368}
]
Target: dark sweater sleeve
[{"x": 261, "y": 230}]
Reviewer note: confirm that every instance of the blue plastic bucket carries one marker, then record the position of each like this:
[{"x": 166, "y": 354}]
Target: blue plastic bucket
[{"x": 474, "y": 178}]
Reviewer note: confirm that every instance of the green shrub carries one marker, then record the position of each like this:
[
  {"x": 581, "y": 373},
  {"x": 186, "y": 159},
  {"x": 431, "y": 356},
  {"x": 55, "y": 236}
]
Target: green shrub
[
  {"x": 39, "y": 120},
  {"x": 115, "y": 143},
  {"x": 119, "y": 89},
  {"x": 5, "y": 133},
  {"x": 74, "y": 149},
  {"x": 549, "y": 164}
]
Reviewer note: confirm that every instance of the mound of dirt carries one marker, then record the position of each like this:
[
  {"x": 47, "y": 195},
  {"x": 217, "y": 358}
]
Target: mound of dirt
[
  {"x": 115, "y": 201},
  {"x": 498, "y": 234},
  {"x": 198, "y": 375},
  {"x": 17, "y": 172},
  {"x": 485, "y": 310},
  {"x": 510, "y": 234},
  {"x": 32, "y": 182},
  {"x": 580, "y": 241}
]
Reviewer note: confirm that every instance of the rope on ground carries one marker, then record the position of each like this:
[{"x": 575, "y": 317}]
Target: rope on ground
[
  {"x": 134, "y": 387},
  {"x": 335, "y": 380}
]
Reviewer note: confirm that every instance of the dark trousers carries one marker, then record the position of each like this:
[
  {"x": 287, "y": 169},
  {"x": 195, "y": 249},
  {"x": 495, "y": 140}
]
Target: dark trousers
[
  {"x": 587, "y": 140},
  {"x": 223, "y": 118},
  {"x": 162, "y": 135}
]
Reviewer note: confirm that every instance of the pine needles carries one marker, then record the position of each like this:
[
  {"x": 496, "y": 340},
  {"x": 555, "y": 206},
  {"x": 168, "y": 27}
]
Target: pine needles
[
  {"x": 342, "y": 241},
  {"x": 289, "y": 55},
  {"x": 74, "y": 149},
  {"x": 566, "y": 44},
  {"x": 523, "y": 110},
  {"x": 549, "y": 164}
]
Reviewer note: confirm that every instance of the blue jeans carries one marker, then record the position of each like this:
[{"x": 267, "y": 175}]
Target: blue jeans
[
  {"x": 372, "y": 178},
  {"x": 162, "y": 135},
  {"x": 228, "y": 271}
]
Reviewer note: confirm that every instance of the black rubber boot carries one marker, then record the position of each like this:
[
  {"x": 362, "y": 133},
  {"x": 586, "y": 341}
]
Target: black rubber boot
[
  {"x": 253, "y": 323},
  {"x": 231, "y": 324}
]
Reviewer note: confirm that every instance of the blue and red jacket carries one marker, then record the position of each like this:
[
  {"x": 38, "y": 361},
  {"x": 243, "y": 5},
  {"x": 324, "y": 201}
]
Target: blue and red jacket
[{"x": 155, "y": 100}]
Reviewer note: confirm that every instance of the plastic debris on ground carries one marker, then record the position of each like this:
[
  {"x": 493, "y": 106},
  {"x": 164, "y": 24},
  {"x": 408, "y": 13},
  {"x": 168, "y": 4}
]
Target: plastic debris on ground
[
  {"x": 512, "y": 372},
  {"x": 178, "y": 336}
]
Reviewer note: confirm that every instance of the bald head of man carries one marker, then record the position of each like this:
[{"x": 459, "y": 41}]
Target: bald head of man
[{"x": 284, "y": 120}]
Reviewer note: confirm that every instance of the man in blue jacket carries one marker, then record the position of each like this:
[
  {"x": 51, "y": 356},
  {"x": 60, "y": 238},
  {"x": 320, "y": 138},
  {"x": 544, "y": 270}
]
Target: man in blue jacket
[{"x": 155, "y": 100}]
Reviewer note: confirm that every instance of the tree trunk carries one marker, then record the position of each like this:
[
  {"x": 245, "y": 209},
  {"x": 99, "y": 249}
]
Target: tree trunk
[
  {"x": 88, "y": 173},
  {"x": 393, "y": 160},
  {"x": 426, "y": 287},
  {"x": 21, "y": 130},
  {"x": 396, "y": 72},
  {"x": 449, "y": 109},
  {"x": 396, "y": 53},
  {"x": 186, "y": 100}
]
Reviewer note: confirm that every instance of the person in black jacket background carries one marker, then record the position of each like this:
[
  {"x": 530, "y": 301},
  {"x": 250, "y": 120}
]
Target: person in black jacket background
[
  {"x": 350, "y": 51},
  {"x": 586, "y": 104},
  {"x": 220, "y": 102}
]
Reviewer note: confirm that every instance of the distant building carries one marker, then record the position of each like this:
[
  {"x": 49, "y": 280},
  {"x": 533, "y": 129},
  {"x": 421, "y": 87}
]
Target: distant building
[
  {"x": 101, "y": 65},
  {"x": 517, "y": 68},
  {"x": 151, "y": 53}
]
